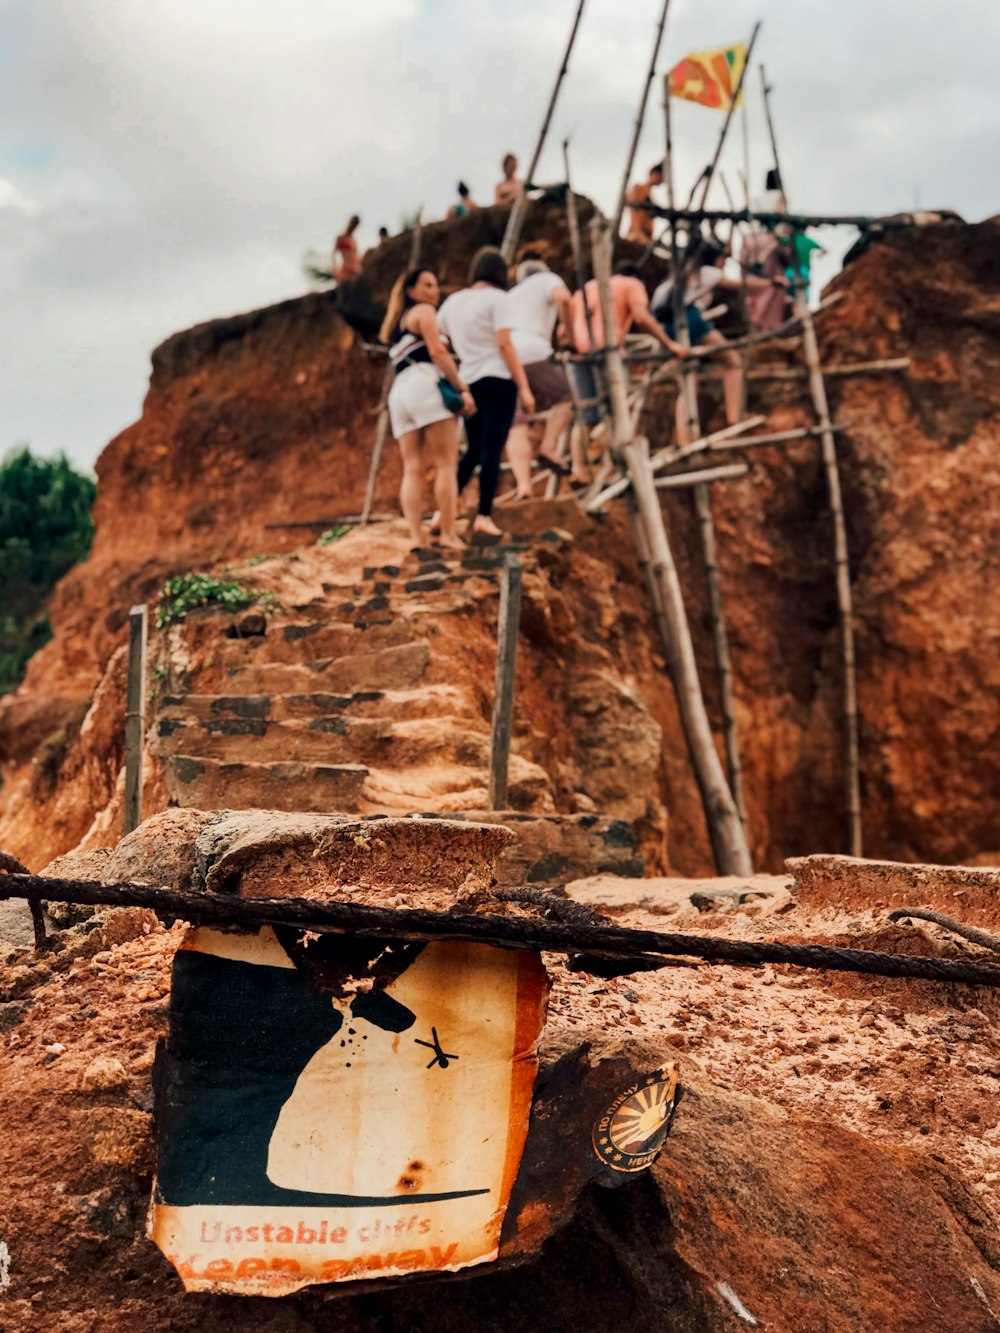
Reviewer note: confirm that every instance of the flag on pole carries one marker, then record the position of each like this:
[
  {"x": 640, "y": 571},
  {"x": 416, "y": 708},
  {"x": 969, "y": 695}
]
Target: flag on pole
[{"x": 709, "y": 77}]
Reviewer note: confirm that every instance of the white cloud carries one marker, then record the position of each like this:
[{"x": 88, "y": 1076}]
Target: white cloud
[
  {"x": 13, "y": 200},
  {"x": 164, "y": 163}
]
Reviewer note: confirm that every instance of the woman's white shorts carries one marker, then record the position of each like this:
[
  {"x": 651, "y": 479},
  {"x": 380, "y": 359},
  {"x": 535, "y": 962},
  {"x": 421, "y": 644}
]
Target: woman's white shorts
[{"x": 415, "y": 400}]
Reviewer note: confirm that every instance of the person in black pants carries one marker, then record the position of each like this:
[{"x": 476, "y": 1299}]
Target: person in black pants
[{"x": 477, "y": 321}]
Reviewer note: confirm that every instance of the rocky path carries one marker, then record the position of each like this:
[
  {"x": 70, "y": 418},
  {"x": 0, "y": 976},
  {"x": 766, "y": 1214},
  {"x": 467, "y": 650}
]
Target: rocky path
[{"x": 350, "y": 702}]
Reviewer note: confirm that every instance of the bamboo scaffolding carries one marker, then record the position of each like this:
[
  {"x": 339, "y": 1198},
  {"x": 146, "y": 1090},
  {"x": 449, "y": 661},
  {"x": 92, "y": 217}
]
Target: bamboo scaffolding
[
  {"x": 639, "y": 118},
  {"x": 515, "y": 219},
  {"x": 841, "y": 557},
  {"x": 722, "y": 817},
  {"x": 382, "y": 426},
  {"x": 702, "y": 495}
]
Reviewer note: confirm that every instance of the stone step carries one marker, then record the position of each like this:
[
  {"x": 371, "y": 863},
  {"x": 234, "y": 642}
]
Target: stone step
[
  {"x": 334, "y": 739},
  {"x": 422, "y": 701},
  {"x": 311, "y": 641},
  {"x": 392, "y": 668},
  {"x": 211, "y": 784}
]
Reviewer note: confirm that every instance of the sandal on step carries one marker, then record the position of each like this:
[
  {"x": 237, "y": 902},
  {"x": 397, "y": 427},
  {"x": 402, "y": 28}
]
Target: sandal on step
[{"x": 553, "y": 465}]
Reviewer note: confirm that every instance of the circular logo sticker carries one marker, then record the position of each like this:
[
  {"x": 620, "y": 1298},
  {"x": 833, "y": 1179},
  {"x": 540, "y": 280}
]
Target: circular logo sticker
[{"x": 630, "y": 1133}]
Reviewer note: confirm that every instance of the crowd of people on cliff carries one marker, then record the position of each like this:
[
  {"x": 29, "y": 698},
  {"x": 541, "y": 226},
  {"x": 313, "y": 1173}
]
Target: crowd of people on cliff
[{"x": 486, "y": 355}]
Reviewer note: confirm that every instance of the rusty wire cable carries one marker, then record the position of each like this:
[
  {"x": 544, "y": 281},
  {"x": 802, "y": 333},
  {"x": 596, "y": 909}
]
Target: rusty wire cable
[
  {"x": 967, "y": 932},
  {"x": 640, "y": 949}
]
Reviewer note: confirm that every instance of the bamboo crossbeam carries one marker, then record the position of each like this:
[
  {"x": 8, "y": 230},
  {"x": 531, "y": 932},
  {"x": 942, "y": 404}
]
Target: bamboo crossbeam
[
  {"x": 776, "y": 437},
  {"x": 896, "y": 222},
  {"x": 848, "y": 368},
  {"x": 749, "y": 340},
  {"x": 665, "y": 457},
  {"x": 680, "y": 480}
]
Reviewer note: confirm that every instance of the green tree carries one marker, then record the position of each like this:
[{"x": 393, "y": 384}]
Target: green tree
[{"x": 45, "y": 529}]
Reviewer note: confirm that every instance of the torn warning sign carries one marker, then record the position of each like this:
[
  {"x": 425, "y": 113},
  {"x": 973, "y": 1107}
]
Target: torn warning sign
[{"x": 313, "y": 1130}]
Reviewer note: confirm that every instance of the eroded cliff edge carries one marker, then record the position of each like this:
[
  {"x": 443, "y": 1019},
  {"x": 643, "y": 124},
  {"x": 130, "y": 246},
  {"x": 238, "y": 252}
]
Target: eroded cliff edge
[{"x": 267, "y": 417}]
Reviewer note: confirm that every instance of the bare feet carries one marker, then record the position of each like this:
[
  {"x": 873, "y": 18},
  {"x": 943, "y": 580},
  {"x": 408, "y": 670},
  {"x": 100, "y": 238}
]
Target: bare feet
[
  {"x": 484, "y": 524},
  {"x": 451, "y": 543},
  {"x": 435, "y": 523}
]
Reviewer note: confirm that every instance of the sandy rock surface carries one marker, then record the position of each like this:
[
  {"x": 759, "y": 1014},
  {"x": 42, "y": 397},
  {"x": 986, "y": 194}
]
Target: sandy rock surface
[{"x": 832, "y": 1128}]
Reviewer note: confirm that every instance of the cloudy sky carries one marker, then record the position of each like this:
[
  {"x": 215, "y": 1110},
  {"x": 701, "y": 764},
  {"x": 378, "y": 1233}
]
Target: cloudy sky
[{"x": 163, "y": 163}]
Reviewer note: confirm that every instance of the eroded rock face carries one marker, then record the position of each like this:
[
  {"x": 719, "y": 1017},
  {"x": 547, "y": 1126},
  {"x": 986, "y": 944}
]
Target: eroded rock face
[
  {"x": 791, "y": 1199},
  {"x": 268, "y": 400}
]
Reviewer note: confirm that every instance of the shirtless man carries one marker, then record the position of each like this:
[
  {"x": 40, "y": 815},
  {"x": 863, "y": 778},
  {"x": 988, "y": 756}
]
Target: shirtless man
[
  {"x": 510, "y": 187},
  {"x": 346, "y": 257},
  {"x": 640, "y": 223}
]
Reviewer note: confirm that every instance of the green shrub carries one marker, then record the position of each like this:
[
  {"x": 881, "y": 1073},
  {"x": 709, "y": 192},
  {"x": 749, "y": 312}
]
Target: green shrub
[
  {"x": 187, "y": 592},
  {"x": 332, "y": 534},
  {"x": 45, "y": 529}
]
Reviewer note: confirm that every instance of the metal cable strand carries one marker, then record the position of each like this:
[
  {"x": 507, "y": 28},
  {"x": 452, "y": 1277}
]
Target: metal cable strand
[
  {"x": 644, "y": 947},
  {"x": 967, "y": 932}
]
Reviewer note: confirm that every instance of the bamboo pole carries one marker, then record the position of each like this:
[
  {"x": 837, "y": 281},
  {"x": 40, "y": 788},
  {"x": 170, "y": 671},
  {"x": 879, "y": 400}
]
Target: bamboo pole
[
  {"x": 614, "y": 367},
  {"x": 850, "y": 368},
  {"x": 515, "y": 220},
  {"x": 729, "y": 116},
  {"x": 725, "y": 828},
  {"x": 135, "y": 715},
  {"x": 842, "y": 568},
  {"x": 639, "y": 118},
  {"x": 841, "y": 557},
  {"x": 724, "y": 825},
  {"x": 863, "y": 221},
  {"x": 508, "y": 626},
  {"x": 675, "y": 481},
  {"x": 382, "y": 426},
  {"x": 702, "y": 496}
]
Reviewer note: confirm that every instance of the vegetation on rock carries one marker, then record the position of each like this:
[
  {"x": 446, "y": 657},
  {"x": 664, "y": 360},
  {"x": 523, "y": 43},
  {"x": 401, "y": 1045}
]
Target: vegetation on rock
[
  {"x": 45, "y": 529},
  {"x": 187, "y": 592}
]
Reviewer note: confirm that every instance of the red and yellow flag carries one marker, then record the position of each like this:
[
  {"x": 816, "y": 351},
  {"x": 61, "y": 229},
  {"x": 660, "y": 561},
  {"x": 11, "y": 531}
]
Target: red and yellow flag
[{"x": 709, "y": 77}]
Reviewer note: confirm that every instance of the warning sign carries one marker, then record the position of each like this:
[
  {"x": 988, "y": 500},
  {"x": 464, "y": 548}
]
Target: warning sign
[{"x": 314, "y": 1135}]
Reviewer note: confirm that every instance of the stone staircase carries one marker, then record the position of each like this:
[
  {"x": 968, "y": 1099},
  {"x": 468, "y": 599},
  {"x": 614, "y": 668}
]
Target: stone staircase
[{"x": 350, "y": 710}]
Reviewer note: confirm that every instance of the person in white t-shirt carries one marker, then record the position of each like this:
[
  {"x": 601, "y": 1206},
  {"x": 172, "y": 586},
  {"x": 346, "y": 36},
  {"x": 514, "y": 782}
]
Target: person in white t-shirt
[
  {"x": 539, "y": 306},
  {"x": 478, "y": 323}
]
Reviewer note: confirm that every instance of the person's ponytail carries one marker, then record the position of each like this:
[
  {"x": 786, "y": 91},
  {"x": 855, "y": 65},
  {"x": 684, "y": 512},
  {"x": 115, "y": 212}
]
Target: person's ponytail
[{"x": 394, "y": 310}]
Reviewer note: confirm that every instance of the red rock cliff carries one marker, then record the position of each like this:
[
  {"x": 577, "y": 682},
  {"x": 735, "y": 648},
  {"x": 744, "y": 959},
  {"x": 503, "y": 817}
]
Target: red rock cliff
[{"x": 268, "y": 417}]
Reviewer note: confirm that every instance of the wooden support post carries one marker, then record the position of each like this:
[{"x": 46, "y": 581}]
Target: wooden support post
[
  {"x": 640, "y": 116},
  {"x": 725, "y": 828},
  {"x": 503, "y": 701},
  {"x": 382, "y": 428},
  {"x": 842, "y": 570},
  {"x": 515, "y": 220},
  {"x": 707, "y": 179},
  {"x": 841, "y": 558},
  {"x": 702, "y": 496},
  {"x": 601, "y": 243},
  {"x": 135, "y": 715}
]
